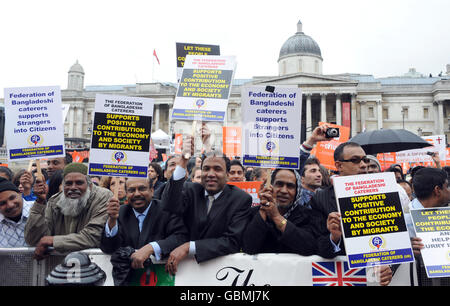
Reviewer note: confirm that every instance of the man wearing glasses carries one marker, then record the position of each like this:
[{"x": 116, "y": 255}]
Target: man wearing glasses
[
  {"x": 142, "y": 225},
  {"x": 350, "y": 159}
]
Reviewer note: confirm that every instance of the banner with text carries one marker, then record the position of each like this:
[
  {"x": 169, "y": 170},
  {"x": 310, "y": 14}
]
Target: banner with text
[
  {"x": 433, "y": 227},
  {"x": 204, "y": 88},
  {"x": 120, "y": 143},
  {"x": 231, "y": 143},
  {"x": 281, "y": 270},
  {"x": 33, "y": 123},
  {"x": 420, "y": 155},
  {"x": 271, "y": 126},
  {"x": 374, "y": 227},
  {"x": 184, "y": 49}
]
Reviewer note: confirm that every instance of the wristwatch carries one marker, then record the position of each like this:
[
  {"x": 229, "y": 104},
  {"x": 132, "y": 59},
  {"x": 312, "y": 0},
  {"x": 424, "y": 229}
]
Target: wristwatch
[{"x": 283, "y": 222}]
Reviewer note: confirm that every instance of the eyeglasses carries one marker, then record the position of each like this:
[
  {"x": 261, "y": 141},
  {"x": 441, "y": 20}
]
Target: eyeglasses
[{"x": 356, "y": 160}]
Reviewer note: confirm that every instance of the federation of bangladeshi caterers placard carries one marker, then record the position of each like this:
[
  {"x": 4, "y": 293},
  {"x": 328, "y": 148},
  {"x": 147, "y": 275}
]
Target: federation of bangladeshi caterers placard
[
  {"x": 120, "y": 143},
  {"x": 271, "y": 126},
  {"x": 33, "y": 123},
  {"x": 373, "y": 224}
]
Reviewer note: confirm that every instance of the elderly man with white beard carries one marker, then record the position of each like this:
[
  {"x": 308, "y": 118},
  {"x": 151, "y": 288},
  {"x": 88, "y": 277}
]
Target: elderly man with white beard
[{"x": 72, "y": 219}]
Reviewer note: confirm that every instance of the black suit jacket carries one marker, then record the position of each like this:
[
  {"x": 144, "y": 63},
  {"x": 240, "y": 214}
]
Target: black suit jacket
[
  {"x": 215, "y": 234},
  {"x": 161, "y": 226},
  {"x": 323, "y": 202},
  {"x": 263, "y": 236}
]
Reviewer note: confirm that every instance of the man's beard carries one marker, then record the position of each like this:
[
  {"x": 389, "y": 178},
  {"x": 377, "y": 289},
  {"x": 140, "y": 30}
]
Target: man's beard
[{"x": 73, "y": 207}]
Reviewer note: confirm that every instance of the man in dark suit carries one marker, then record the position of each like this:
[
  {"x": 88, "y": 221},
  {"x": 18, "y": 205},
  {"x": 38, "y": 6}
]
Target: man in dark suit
[
  {"x": 142, "y": 224},
  {"x": 215, "y": 213},
  {"x": 280, "y": 224},
  {"x": 349, "y": 159}
]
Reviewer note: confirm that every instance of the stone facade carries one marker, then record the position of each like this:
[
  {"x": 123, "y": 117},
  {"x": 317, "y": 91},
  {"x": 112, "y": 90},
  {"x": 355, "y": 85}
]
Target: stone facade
[{"x": 420, "y": 104}]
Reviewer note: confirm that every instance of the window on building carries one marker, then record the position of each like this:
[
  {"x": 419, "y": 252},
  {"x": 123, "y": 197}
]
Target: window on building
[
  {"x": 300, "y": 65},
  {"x": 385, "y": 113},
  {"x": 425, "y": 113},
  {"x": 405, "y": 113},
  {"x": 316, "y": 66},
  {"x": 232, "y": 114},
  {"x": 371, "y": 112}
]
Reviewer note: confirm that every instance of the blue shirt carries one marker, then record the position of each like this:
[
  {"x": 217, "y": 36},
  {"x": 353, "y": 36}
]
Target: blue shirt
[
  {"x": 12, "y": 233},
  {"x": 111, "y": 233}
]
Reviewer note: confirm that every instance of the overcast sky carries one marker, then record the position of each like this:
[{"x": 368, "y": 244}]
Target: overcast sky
[{"x": 114, "y": 40}]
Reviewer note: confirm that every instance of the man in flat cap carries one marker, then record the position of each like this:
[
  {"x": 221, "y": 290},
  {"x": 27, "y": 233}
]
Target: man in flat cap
[
  {"x": 72, "y": 219},
  {"x": 14, "y": 211}
]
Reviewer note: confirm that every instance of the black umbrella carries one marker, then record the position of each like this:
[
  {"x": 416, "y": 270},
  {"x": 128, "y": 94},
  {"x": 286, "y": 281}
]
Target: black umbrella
[{"x": 381, "y": 141}]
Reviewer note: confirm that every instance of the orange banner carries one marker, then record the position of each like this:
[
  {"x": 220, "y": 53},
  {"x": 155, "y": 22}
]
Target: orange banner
[
  {"x": 79, "y": 156},
  {"x": 324, "y": 150},
  {"x": 231, "y": 141},
  {"x": 178, "y": 148},
  {"x": 252, "y": 188},
  {"x": 386, "y": 160}
]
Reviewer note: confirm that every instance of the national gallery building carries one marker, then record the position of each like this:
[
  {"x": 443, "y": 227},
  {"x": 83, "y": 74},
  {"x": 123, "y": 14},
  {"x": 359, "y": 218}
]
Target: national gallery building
[{"x": 416, "y": 102}]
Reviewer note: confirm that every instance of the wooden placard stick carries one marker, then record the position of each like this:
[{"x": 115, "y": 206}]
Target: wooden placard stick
[
  {"x": 116, "y": 187},
  {"x": 269, "y": 174},
  {"x": 30, "y": 165},
  {"x": 193, "y": 129},
  {"x": 39, "y": 170}
]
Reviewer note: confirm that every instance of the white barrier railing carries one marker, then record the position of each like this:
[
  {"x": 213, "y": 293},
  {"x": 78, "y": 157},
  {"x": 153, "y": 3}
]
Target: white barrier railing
[{"x": 18, "y": 268}]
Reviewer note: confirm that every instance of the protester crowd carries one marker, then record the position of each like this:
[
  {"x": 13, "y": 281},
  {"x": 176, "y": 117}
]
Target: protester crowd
[{"x": 185, "y": 208}]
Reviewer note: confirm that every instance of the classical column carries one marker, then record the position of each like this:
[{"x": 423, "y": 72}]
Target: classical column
[
  {"x": 363, "y": 115},
  {"x": 308, "y": 116},
  {"x": 323, "y": 107},
  {"x": 440, "y": 105},
  {"x": 79, "y": 122},
  {"x": 380, "y": 114},
  {"x": 338, "y": 110},
  {"x": 71, "y": 121},
  {"x": 353, "y": 107}
]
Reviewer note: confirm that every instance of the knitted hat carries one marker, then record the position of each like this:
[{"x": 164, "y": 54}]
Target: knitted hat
[
  {"x": 7, "y": 185},
  {"x": 75, "y": 167},
  {"x": 374, "y": 159}
]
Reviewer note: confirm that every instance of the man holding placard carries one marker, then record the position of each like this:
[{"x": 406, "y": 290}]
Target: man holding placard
[
  {"x": 350, "y": 160},
  {"x": 429, "y": 224},
  {"x": 214, "y": 212},
  {"x": 71, "y": 220}
]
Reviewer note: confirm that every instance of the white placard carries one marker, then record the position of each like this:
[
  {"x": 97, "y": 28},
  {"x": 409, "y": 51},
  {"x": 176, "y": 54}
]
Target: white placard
[
  {"x": 33, "y": 123},
  {"x": 372, "y": 219},
  {"x": 420, "y": 155},
  {"x": 121, "y": 133},
  {"x": 433, "y": 227},
  {"x": 271, "y": 126},
  {"x": 204, "y": 88}
]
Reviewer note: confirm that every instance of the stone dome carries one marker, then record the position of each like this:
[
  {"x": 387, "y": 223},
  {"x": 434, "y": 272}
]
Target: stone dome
[
  {"x": 300, "y": 44},
  {"x": 76, "y": 68}
]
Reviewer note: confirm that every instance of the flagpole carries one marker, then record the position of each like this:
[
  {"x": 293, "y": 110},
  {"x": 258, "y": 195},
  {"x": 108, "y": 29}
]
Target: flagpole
[{"x": 153, "y": 69}]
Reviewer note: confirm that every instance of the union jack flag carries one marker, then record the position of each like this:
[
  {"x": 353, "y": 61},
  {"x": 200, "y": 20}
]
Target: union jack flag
[{"x": 337, "y": 273}]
